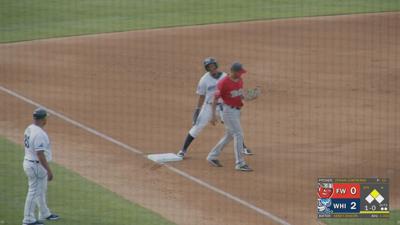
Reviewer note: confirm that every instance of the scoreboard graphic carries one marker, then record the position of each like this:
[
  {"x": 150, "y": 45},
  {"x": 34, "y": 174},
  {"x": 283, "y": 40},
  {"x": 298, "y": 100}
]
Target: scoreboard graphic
[{"x": 353, "y": 198}]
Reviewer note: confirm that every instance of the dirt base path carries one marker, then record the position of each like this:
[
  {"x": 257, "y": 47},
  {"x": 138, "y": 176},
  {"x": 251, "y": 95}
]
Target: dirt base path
[{"x": 330, "y": 107}]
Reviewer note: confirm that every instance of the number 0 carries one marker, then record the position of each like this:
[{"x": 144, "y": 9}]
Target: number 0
[{"x": 353, "y": 190}]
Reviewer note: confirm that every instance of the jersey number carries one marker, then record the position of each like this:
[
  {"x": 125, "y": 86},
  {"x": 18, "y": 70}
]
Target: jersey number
[{"x": 26, "y": 141}]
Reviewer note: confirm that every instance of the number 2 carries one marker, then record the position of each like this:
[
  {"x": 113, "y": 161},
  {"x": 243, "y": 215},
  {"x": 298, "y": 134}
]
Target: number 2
[{"x": 353, "y": 205}]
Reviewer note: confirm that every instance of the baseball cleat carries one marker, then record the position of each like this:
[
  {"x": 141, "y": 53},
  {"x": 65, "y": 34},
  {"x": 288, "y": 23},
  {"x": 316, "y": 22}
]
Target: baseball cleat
[
  {"x": 215, "y": 162},
  {"x": 53, "y": 217},
  {"x": 34, "y": 223},
  {"x": 244, "y": 168},
  {"x": 181, "y": 154},
  {"x": 247, "y": 151}
]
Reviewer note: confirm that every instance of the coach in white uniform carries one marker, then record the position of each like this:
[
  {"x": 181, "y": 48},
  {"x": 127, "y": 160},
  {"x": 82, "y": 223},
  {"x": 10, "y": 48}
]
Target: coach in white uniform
[
  {"x": 36, "y": 167},
  {"x": 203, "y": 113}
]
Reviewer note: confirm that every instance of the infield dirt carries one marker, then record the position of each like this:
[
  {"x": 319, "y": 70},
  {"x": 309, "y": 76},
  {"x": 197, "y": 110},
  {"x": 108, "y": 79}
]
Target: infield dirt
[{"x": 330, "y": 108}]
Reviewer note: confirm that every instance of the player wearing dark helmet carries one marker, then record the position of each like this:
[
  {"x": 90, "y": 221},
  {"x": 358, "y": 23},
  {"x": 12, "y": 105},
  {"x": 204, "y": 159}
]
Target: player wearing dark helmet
[
  {"x": 202, "y": 115},
  {"x": 210, "y": 61}
]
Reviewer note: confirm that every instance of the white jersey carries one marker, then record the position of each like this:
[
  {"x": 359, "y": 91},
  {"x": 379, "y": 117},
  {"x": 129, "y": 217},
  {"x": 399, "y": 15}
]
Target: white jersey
[
  {"x": 36, "y": 139},
  {"x": 207, "y": 86}
]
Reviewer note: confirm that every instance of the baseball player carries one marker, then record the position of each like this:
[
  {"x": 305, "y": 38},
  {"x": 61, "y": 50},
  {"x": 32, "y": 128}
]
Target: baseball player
[
  {"x": 230, "y": 90},
  {"x": 203, "y": 113},
  {"x": 37, "y": 169}
]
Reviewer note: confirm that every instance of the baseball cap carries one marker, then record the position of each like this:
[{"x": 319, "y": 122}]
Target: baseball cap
[
  {"x": 39, "y": 113},
  {"x": 238, "y": 67}
]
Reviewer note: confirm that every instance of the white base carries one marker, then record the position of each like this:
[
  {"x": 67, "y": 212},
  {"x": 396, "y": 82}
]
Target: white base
[{"x": 163, "y": 158}]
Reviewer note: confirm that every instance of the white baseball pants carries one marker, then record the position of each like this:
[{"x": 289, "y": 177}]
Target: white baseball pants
[{"x": 37, "y": 180}]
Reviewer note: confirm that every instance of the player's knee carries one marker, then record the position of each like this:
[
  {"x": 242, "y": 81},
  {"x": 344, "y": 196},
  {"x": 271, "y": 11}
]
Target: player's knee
[
  {"x": 32, "y": 192},
  {"x": 237, "y": 135},
  {"x": 194, "y": 132},
  {"x": 198, "y": 128}
]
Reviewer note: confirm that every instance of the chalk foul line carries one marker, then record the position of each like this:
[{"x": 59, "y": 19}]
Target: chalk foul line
[{"x": 137, "y": 151}]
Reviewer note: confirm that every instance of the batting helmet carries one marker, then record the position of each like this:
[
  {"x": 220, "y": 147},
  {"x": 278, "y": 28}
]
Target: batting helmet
[{"x": 208, "y": 61}]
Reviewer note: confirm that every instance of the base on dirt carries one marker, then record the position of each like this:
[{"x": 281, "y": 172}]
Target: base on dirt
[{"x": 164, "y": 157}]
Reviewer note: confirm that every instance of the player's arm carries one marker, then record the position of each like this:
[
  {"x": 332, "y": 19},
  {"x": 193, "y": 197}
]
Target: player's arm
[
  {"x": 201, "y": 91},
  {"x": 214, "y": 108},
  {"x": 38, "y": 146},
  {"x": 196, "y": 112},
  {"x": 200, "y": 102},
  {"x": 45, "y": 164},
  {"x": 217, "y": 95}
]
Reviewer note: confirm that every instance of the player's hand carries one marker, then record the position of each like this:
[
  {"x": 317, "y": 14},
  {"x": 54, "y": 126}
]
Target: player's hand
[
  {"x": 50, "y": 176},
  {"x": 214, "y": 120}
]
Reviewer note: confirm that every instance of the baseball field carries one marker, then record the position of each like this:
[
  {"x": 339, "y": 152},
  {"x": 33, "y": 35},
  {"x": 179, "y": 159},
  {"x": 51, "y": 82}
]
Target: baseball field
[{"x": 119, "y": 78}]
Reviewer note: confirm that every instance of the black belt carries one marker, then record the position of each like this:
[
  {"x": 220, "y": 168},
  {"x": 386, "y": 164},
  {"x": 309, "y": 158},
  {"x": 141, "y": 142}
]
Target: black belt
[
  {"x": 233, "y": 107},
  {"x": 33, "y": 161}
]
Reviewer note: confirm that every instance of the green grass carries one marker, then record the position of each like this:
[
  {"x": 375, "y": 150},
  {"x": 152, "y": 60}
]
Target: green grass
[
  {"x": 393, "y": 220},
  {"x": 77, "y": 200},
  {"x": 27, "y": 20}
]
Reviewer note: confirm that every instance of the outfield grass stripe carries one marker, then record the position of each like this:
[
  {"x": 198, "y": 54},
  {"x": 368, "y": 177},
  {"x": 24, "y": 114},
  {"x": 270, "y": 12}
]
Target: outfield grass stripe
[{"x": 266, "y": 214}]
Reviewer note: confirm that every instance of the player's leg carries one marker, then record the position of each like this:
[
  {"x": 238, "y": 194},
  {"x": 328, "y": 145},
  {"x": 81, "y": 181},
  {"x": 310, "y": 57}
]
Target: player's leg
[
  {"x": 212, "y": 157},
  {"x": 247, "y": 150},
  {"x": 202, "y": 121},
  {"x": 188, "y": 140},
  {"x": 220, "y": 112},
  {"x": 238, "y": 150},
  {"x": 44, "y": 211},
  {"x": 30, "y": 169},
  {"x": 232, "y": 119}
]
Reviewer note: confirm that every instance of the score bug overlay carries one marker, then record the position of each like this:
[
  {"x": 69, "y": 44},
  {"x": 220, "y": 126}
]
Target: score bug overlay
[{"x": 353, "y": 198}]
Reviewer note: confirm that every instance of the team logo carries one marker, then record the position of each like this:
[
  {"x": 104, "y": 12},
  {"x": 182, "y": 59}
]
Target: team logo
[
  {"x": 325, "y": 190},
  {"x": 236, "y": 93},
  {"x": 211, "y": 88},
  {"x": 323, "y": 206}
]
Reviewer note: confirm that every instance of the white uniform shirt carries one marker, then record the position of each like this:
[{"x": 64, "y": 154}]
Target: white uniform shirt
[
  {"x": 207, "y": 86},
  {"x": 36, "y": 139}
]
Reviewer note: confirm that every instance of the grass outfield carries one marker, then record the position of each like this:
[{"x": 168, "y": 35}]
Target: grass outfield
[
  {"x": 27, "y": 20},
  {"x": 77, "y": 200},
  {"x": 394, "y": 220}
]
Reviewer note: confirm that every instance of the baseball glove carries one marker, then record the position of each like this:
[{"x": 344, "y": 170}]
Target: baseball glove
[{"x": 252, "y": 93}]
